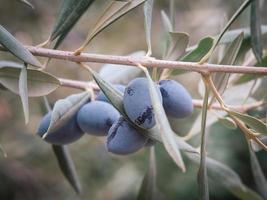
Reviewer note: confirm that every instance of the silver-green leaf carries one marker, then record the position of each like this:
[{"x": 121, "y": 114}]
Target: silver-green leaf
[
  {"x": 16, "y": 48},
  {"x": 39, "y": 83},
  {"x": 23, "y": 92},
  {"x": 64, "y": 109},
  {"x": 148, "y": 190},
  {"x": 254, "y": 123}
]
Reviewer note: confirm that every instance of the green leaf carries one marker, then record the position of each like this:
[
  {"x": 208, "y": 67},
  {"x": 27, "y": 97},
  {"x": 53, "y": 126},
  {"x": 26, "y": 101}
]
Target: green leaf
[
  {"x": 116, "y": 99},
  {"x": 244, "y": 5},
  {"x": 167, "y": 26},
  {"x": 67, "y": 166},
  {"x": 197, "y": 53},
  {"x": 228, "y": 122},
  {"x": 148, "y": 9},
  {"x": 177, "y": 45},
  {"x": 114, "y": 11},
  {"x": 70, "y": 13},
  {"x": 64, "y": 160},
  {"x": 258, "y": 174},
  {"x": 23, "y": 92},
  {"x": 202, "y": 171},
  {"x": 163, "y": 125},
  {"x": 255, "y": 146},
  {"x": 172, "y": 13},
  {"x": 255, "y": 26},
  {"x": 148, "y": 190},
  {"x": 64, "y": 109},
  {"x": 223, "y": 175},
  {"x": 39, "y": 83},
  {"x": 221, "y": 79},
  {"x": 248, "y": 77},
  {"x": 27, "y": 3},
  {"x": 16, "y": 48},
  {"x": 252, "y": 122}
]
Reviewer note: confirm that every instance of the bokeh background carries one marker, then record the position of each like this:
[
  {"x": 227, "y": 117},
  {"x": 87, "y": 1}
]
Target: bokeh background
[{"x": 30, "y": 170}]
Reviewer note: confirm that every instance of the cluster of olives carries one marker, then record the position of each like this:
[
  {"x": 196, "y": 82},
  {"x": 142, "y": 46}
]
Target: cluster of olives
[{"x": 100, "y": 118}]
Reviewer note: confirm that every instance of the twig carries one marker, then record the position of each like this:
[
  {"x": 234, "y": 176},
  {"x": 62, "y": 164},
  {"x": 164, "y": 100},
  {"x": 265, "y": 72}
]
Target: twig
[
  {"x": 145, "y": 61},
  {"x": 82, "y": 85}
]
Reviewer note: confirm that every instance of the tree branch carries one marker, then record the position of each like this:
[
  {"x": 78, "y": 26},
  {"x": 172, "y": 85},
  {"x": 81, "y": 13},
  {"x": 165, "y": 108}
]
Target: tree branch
[
  {"x": 82, "y": 85},
  {"x": 145, "y": 61}
]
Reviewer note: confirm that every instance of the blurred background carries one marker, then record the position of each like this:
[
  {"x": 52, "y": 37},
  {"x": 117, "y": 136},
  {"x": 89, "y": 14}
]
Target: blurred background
[{"x": 30, "y": 170}]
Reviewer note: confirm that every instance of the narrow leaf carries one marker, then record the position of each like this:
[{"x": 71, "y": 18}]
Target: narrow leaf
[
  {"x": 197, "y": 53},
  {"x": 148, "y": 9},
  {"x": 16, "y": 48},
  {"x": 221, "y": 79},
  {"x": 223, "y": 175},
  {"x": 27, "y": 3},
  {"x": 163, "y": 125},
  {"x": 202, "y": 172},
  {"x": 167, "y": 26},
  {"x": 255, "y": 26},
  {"x": 64, "y": 109},
  {"x": 227, "y": 122},
  {"x": 177, "y": 45},
  {"x": 148, "y": 188},
  {"x": 39, "y": 83},
  {"x": 172, "y": 13},
  {"x": 67, "y": 166},
  {"x": 114, "y": 11},
  {"x": 244, "y": 5},
  {"x": 70, "y": 13},
  {"x": 254, "y": 123},
  {"x": 258, "y": 174},
  {"x": 23, "y": 92},
  {"x": 64, "y": 160}
]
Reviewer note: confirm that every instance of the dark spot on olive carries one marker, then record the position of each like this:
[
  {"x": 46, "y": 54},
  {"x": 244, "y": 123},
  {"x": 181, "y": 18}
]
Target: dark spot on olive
[
  {"x": 130, "y": 91},
  {"x": 146, "y": 115}
]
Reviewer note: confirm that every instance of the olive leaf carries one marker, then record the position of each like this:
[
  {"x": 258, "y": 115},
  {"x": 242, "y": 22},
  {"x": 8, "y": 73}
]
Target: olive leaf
[
  {"x": 121, "y": 74},
  {"x": 221, "y": 79},
  {"x": 177, "y": 45},
  {"x": 255, "y": 26},
  {"x": 167, "y": 25},
  {"x": 70, "y": 13},
  {"x": 113, "y": 12},
  {"x": 248, "y": 77},
  {"x": 67, "y": 166},
  {"x": 23, "y": 92},
  {"x": 64, "y": 160},
  {"x": 223, "y": 175},
  {"x": 148, "y": 190},
  {"x": 202, "y": 171},
  {"x": 258, "y": 174},
  {"x": 244, "y": 5},
  {"x": 254, "y": 123},
  {"x": 227, "y": 122},
  {"x": 16, "y": 48},
  {"x": 64, "y": 109},
  {"x": 148, "y": 9},
  {"x": 39, "y": 83},
  {"x": 27, "y": 3},
  {"x": 162, "y": 123},
  {"x": 196, "y": 54},
  {"x": 172, "y": 13}
]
